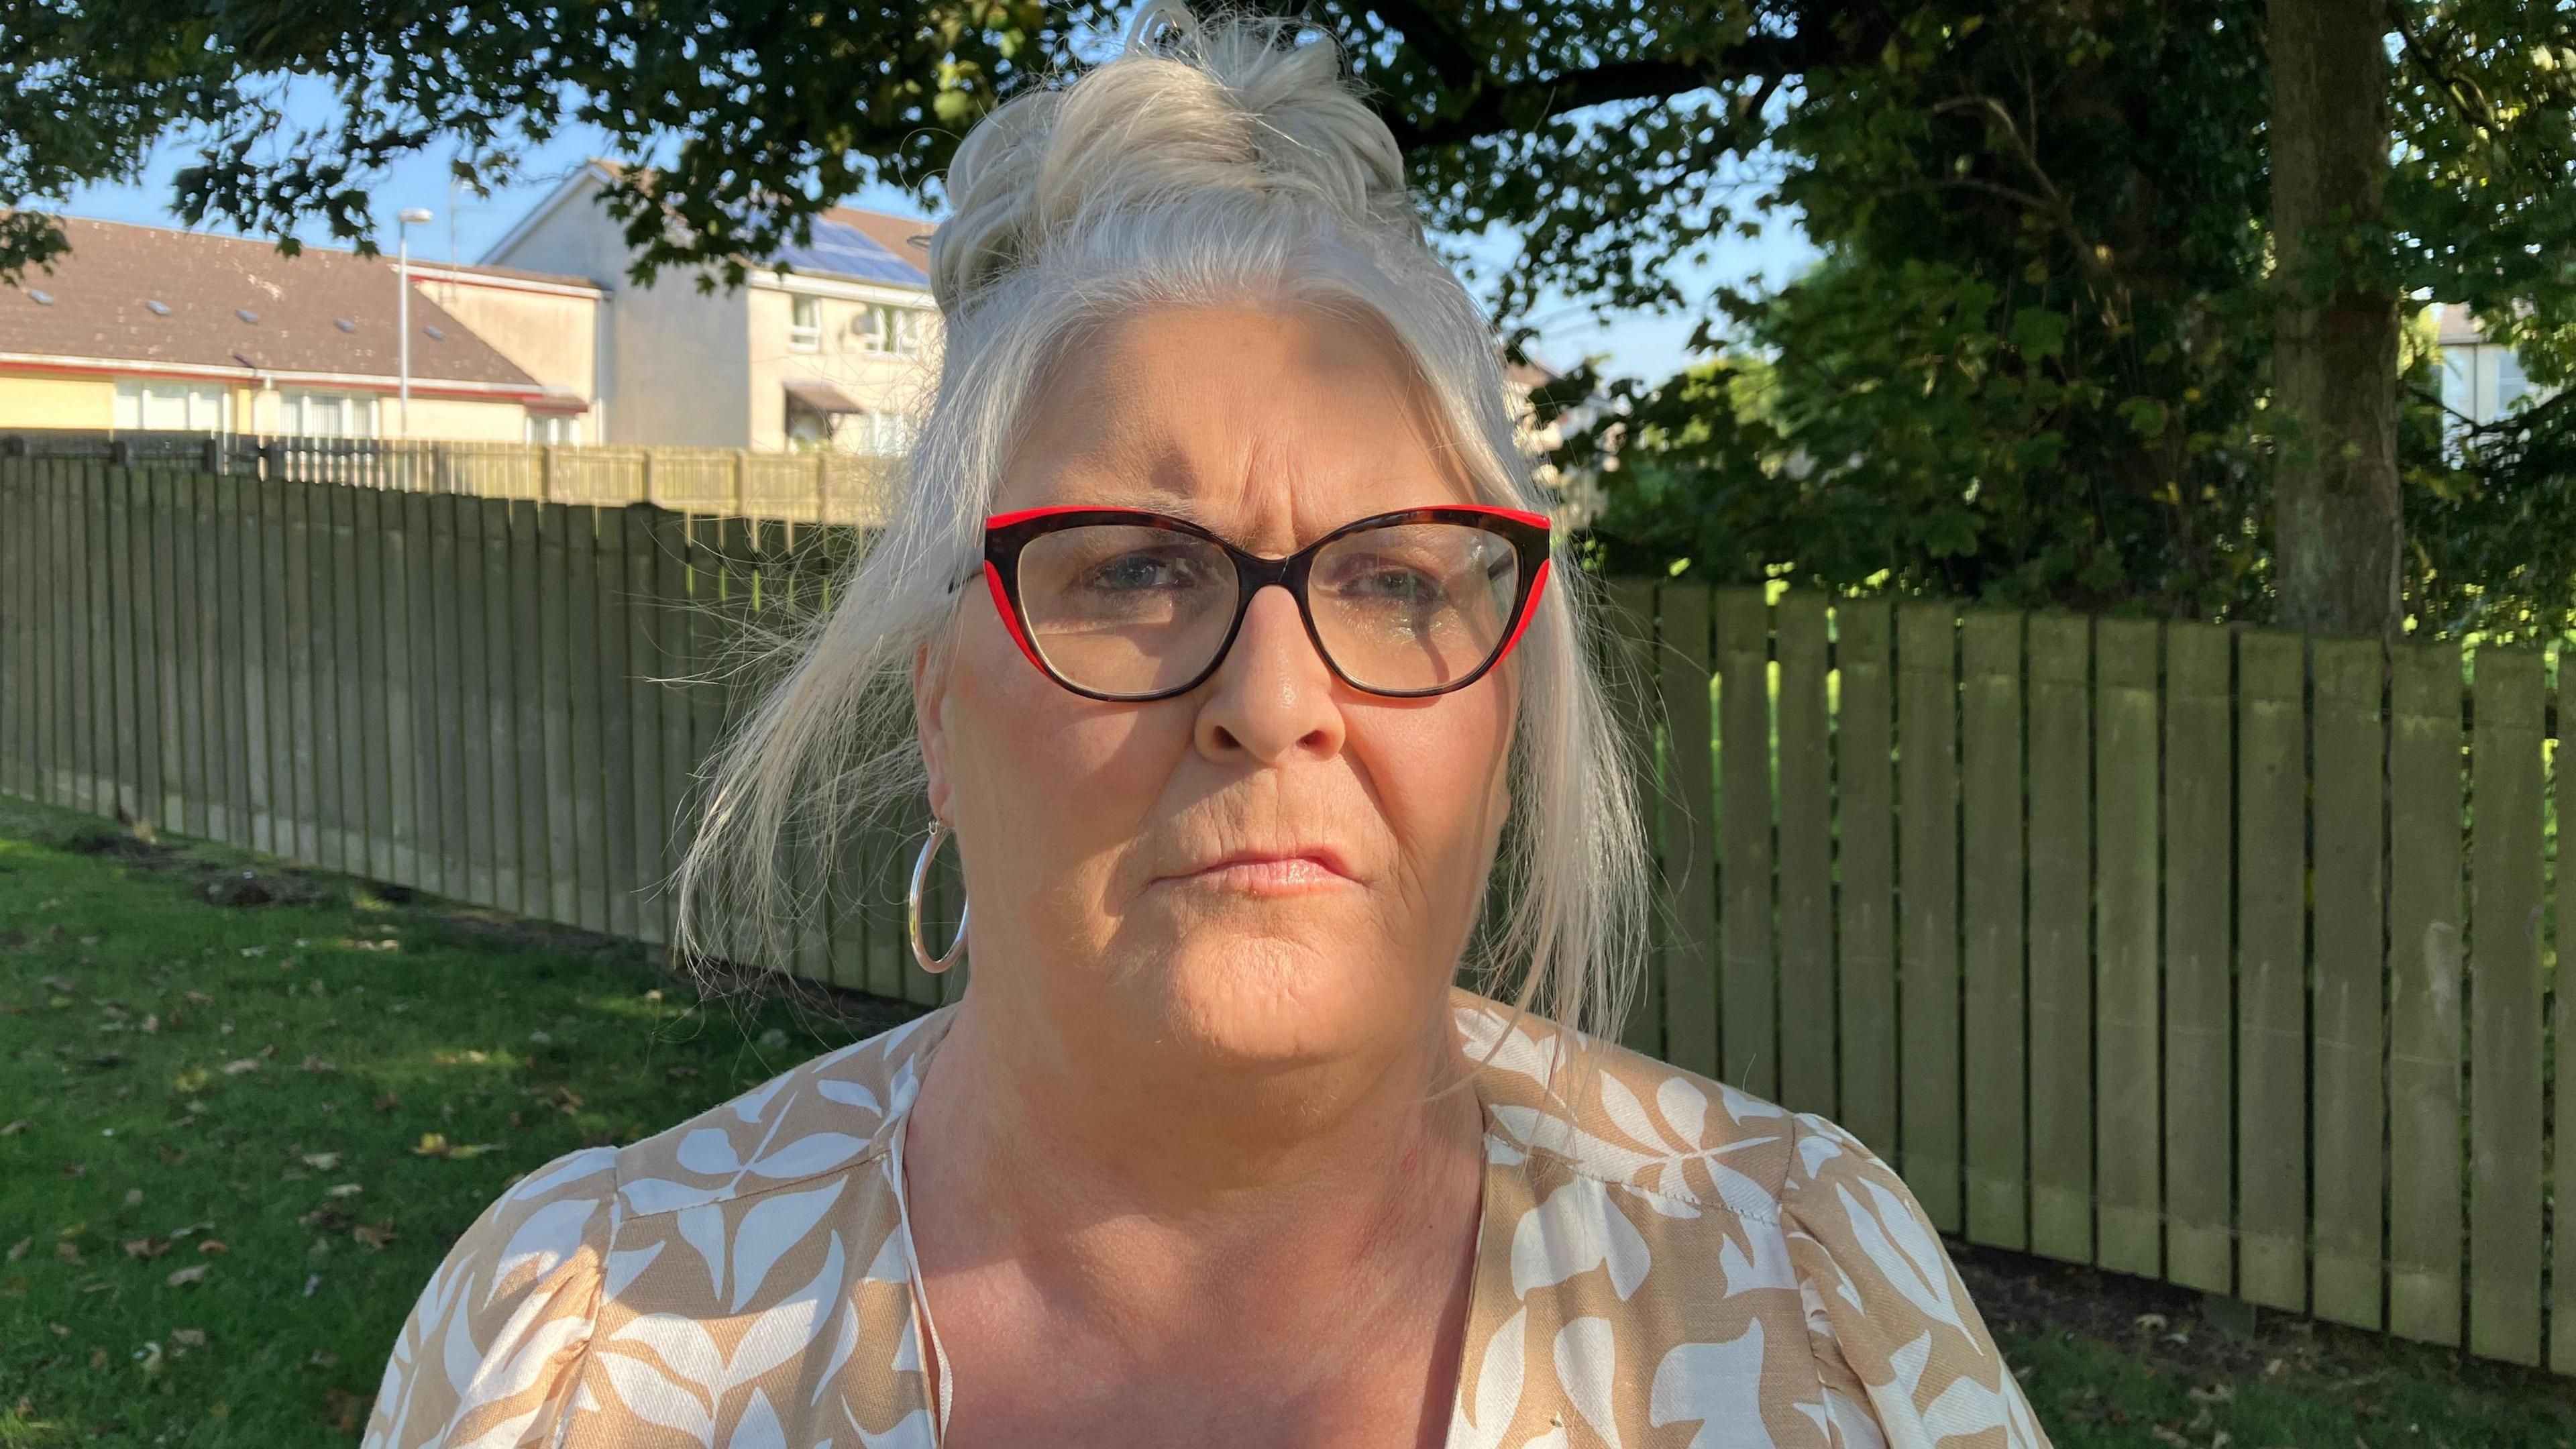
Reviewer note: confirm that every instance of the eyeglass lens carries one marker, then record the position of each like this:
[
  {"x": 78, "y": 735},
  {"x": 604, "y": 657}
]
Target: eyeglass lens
[{"x": 1401, "y": 608}]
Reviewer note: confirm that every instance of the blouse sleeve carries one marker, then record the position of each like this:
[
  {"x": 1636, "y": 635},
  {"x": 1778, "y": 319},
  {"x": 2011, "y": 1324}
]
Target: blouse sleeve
[
  {"x": 491, "y": 1353},
  {"x": 1886, "y": 1311}
]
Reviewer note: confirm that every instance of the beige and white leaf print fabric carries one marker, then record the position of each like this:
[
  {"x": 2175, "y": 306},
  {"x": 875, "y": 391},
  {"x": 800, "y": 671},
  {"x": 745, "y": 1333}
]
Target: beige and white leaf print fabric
[{"x": 1666, "y": 1263}]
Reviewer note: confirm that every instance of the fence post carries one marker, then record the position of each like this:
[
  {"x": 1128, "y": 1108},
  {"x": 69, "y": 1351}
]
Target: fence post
[{"x": 741, "y": 482}]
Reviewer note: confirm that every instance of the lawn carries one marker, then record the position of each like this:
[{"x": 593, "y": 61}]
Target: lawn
[
  {"x": 235, "y": 1140},
  {"x": 243, "y": 1111}
]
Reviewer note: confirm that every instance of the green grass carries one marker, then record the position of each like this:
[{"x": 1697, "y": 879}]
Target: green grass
[
  {"x": 176, "y": 1074},
  {"x": 239, "y": 1139}
]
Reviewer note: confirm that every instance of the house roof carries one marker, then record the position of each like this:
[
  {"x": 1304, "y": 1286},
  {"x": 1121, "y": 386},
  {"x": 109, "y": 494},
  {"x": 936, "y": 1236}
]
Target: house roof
[
  {"x": 848, "y": 242},
  {"x": 229, "y": 302}
]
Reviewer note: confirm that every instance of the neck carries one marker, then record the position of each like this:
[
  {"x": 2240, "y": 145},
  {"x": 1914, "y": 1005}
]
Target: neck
[{"x": 1045, "y": 1124}]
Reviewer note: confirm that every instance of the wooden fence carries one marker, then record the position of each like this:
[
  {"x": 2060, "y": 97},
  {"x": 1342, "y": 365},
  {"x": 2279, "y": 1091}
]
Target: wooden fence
[
  {"x": 481, "y": 698},
  {"x": 2214, "y": 955},
  {"x": 819, "y": 486}
]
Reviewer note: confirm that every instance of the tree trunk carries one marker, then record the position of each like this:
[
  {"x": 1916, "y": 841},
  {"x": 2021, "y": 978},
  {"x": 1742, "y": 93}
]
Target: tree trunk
[{"x": 2338, "y": 533}]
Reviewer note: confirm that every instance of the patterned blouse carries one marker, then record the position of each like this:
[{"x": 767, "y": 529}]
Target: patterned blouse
[{"x": 1670, "y": 1264}]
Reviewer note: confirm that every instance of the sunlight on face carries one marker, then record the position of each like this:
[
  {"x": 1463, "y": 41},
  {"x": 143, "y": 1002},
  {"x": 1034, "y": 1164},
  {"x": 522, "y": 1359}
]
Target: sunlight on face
[{"x": 1093, "y": 833}]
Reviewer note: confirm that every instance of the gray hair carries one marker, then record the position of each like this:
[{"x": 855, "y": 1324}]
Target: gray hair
[{"x": 1208, "y": 163}]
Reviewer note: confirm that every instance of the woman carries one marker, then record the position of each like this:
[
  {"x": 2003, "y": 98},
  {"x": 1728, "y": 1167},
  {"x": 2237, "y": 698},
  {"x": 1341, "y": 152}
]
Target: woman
[{"x": 1219, "y": 626}]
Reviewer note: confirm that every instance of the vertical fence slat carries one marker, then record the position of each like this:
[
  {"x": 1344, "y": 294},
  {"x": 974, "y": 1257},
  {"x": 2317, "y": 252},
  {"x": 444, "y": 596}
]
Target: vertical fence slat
[
  {"x": 2128, "y": 1144},
  {"x": 2271, "y": 970},
  {"x": 498, "y": 730},
  {"x": 463, "y": 578},
  {"x": 210, "y": 589},
  {"x": 1747, "y": 996},
  {"x": 296, "y": 636},
  {"x": 1683, "y": 675},
  {"x": 235, "y": 623},
  {"x": 2060, "y": 940},
  {"x": 402, "y": 778},
  {"x": 351, "y": 655},
  {"x": 645, "y": 667},
  {"x": 2349, "y": 794},
  {"x": 123, "y": 647},
  {"x": 250, "y": 540},
  {"x": 529, "y": 764},
  {"x": 616, "y": 723},
  {"x": 1990, "y": 753},
  {"x": 1865, "y": 860},
  {"x": 2504, "y": 990},
  {"x": 438, "y": 620},
  {"x": 2424, "y": 921},
  {"x": 275, "y": 581},
  {"x": 554, "y": 644},
  {"x": 674, "y": 661},
  {"x": 1806, "y": 858},
  {"x": 90, "y": 744},
  {"x": 2197, "y": 854},
  {"x": 2562, "y": 1277},
  {"x": 1634, "y": 705},
  {"x": 581, "y": 622},
  {"x": 16, "y": 571},
  {"x": 1927, "y": 873}
]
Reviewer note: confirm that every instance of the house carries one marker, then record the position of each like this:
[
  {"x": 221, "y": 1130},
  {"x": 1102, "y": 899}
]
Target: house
[
  {"x": 2482, "y": 379},
  {"x": 153, "y": 328},
  {"x": 831, "y": 347}
]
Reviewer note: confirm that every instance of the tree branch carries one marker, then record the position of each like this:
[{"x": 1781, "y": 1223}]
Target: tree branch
[
  {"x": 1434, "y": 41},
  {"x": 1490, "y": 109}
]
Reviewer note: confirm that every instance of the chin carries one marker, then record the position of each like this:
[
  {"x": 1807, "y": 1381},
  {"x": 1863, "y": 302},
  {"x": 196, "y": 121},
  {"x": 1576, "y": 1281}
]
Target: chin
[{"x": 1273, "y": 999}]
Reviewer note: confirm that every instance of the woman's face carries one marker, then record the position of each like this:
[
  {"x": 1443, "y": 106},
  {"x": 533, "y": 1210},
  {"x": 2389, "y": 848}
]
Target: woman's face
[{"x": 1096, "y": 835}]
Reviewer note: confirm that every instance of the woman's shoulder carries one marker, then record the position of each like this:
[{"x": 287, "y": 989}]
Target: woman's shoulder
[
  {"x": 1630, "y": 1120},
  {"x": 830, "y": 1114}
]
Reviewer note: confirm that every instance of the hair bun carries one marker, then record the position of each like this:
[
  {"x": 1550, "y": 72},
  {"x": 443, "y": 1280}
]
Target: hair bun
[{"x": 1233, "y": 102}]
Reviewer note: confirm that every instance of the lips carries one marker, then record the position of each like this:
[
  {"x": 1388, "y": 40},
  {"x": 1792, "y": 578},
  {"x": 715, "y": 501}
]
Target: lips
[{"x": 1301, "y": 864}]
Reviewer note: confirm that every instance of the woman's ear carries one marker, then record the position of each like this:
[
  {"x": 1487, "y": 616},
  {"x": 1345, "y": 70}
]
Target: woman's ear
[{"x": 929, "y": 721}]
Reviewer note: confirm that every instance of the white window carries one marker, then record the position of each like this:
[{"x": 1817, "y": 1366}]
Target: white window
[
  {"x": 884, "y": 434},
  {"x": 804, "y": 324},
  {"x": 553, "y": 428},
  {"x": 173, "y": 407},
  {"x": 883, "y": 328},
  {"x": 305, "y": 414}
]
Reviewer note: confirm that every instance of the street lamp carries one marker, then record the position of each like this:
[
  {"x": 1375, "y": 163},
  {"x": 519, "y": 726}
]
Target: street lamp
[{"x": 409, "y": 216}]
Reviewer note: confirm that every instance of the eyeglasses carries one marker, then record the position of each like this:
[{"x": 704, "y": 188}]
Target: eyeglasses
[{"x": 1125, "y": 605}]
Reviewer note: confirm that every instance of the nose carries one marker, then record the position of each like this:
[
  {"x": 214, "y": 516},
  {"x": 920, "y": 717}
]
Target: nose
[{"x": 1273, "y": 695}]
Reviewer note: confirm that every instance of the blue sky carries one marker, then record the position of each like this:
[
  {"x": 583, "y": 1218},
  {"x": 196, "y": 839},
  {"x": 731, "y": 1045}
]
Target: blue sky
[{"x": 1636, "y": 345}]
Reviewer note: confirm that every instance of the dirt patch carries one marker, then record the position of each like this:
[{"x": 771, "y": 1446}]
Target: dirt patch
[{"x": 2199, "y": 1338}]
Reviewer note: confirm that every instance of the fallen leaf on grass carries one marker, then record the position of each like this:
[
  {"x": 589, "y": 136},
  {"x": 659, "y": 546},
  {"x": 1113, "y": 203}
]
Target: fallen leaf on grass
[
  {"x": 435, "y": 1144},
  {"x": 213, "y": 1247},
  {"x": 378, "y": 1236},
  {"x": 145, "y": 1248},
  {"x": 188, "y": 1337},
  {"x": 98, "y": 1358},
  {"x": 75, "y": 1169},
  {"x": 346, "y": 1189},
  {"x": 184, "y": 1276},
  {"x": 347, "y": 1411},
  {"x": 59, "y": 985},
  {"x": 322, "y": 1161},
  {"x": 199, "y": 998},
  {"x": 315, "y": 1063},
  {"x": 148, "y": 1357},
  {"x": 327, "y": 1217},
  {"x": 19, "y": 1248},
  {"x": 14, "y": 1128},
  {"x": 239, "y": 1065},
  {"x": 68, "y": 1251}
]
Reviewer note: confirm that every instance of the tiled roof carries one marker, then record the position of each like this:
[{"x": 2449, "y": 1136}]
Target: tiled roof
[{"x": 234, "y": 303}]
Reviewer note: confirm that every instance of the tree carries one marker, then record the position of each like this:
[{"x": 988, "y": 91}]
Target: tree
[{"x": 2039, "y": 363}]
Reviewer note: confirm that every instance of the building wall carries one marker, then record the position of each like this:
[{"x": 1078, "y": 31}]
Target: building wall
[
  {"x": 883, "y": 381},
  {"x": 458, "y": 420},
  {"x": 671, "y": 357},
  {"x": 36, "y": 400},
  {"x": 553, "y": 337}
]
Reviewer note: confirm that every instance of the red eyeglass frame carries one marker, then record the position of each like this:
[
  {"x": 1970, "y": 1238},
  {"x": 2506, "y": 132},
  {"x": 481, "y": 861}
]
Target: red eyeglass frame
[{"x": 1005, "y": 534}]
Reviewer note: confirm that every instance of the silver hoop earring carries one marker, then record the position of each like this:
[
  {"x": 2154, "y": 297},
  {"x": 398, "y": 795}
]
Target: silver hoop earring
[{"x": 912, "y": 906}]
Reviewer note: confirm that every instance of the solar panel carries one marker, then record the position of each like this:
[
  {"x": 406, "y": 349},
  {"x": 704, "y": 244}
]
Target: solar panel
[{"x": 842, "y": 250}]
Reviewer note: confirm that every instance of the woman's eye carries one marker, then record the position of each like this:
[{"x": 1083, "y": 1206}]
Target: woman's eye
[
  {"x": 1130, "y": 571},
  {"x": 1386, "y": 582}
]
